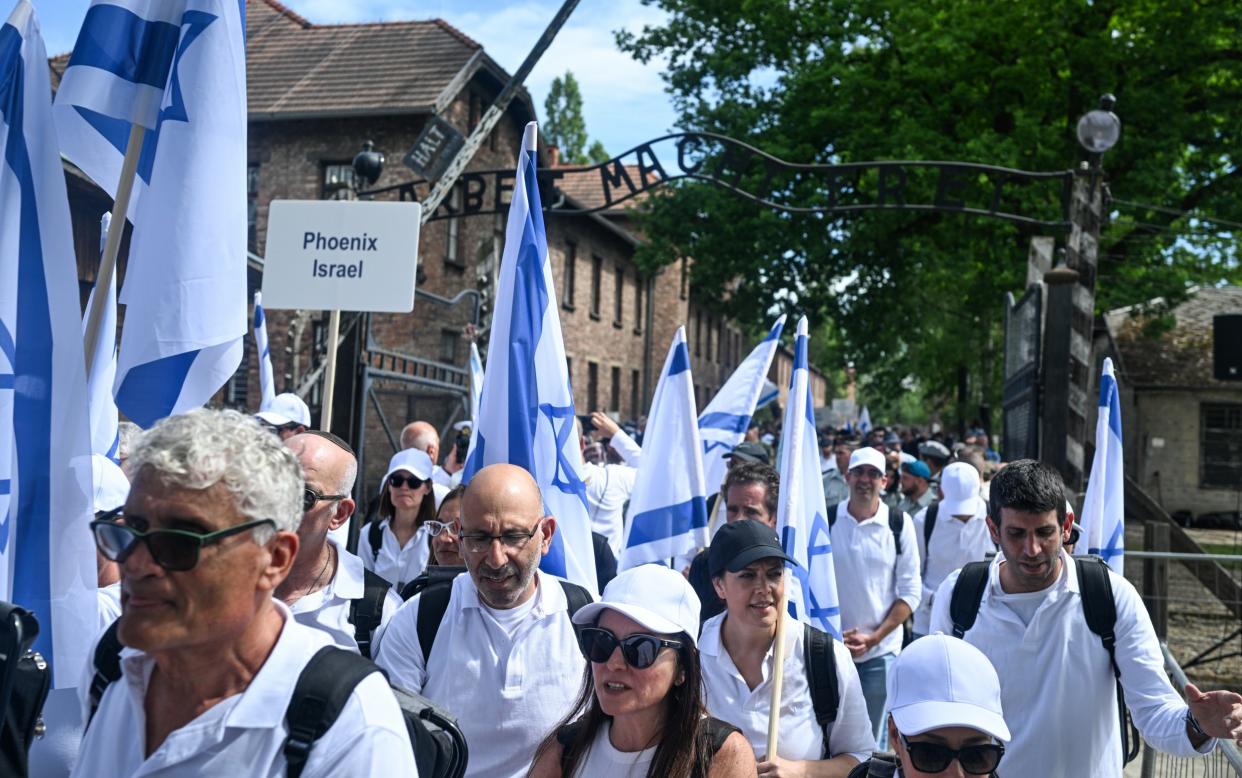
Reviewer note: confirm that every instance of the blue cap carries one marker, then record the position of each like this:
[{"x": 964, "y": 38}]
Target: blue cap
[{"x": 917, "y": 469}]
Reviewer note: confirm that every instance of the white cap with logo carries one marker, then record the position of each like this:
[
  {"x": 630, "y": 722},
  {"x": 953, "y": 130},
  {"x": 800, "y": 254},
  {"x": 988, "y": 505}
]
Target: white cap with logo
[
  {"x": 285, "y": 408},
  {"x": 940, "y": 681},
  {"x": 657, "y": 597}
]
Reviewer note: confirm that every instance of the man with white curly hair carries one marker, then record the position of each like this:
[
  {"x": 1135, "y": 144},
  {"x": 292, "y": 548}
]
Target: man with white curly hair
[{"x": 211, "y": 658}]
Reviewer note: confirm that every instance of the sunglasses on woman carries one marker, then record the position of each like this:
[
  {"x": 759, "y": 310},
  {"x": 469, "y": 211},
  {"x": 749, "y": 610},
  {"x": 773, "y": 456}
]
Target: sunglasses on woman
[
  {"x": 979, "y": 759},
  {"x": 176, "y": 550},
  {"x": 397, "y": 480},
  {"x": 640, "y": 651}
]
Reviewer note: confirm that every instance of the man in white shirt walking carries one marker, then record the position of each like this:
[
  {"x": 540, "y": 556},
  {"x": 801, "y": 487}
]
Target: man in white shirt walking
[
  {"x": 327, "y": 587},
  {"x": 211, "y": 657},
  {"x": 505, "y": 659},
  {"x": 608, "y": 486},
  {"x": 876, "y": 559},
  {"x": 1055, "y": 673}
]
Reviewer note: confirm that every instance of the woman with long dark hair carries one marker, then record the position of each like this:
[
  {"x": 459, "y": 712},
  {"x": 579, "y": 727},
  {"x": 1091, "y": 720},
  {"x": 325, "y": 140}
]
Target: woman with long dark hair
[
  {"x": 396, "y": 546},
  {"x": 640, "y": 712}
]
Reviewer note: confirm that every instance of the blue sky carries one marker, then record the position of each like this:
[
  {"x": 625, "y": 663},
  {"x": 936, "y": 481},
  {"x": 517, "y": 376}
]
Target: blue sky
[{"x": 624, "y": 101}]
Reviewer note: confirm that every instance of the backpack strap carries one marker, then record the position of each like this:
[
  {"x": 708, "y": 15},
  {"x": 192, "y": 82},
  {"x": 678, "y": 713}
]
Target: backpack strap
[
  {"x": 367, "y": 612},
  {"x": 323, "y": 688},
  {"x": 821, "y": 678},
  {"x": 433, "y": 601},
  {"x": 832, "y": 514},
  {"x": 375, "y": 536},
  {"x": 967, "y": 594},
  {"x": 107, "y": 667},
  {"x": 896, "y": 521},
  {"x": 1100, "y": 610},
  {"x": 929, "y": 525}
]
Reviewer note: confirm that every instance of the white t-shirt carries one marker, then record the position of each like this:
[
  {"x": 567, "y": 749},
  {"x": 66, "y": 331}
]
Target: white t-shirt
[
  {"x": 508, "y": 619},
  {"x": 603, "y": 759}
]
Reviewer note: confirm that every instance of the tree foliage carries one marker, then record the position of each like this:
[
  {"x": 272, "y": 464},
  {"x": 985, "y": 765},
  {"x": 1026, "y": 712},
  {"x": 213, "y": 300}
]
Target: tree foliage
[
  {"x": 564, "y": 126},
  {"x": 918, "y": 295}
]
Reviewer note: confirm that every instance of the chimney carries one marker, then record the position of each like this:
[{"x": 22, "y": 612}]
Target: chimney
[{"x": 554, "y": 155}]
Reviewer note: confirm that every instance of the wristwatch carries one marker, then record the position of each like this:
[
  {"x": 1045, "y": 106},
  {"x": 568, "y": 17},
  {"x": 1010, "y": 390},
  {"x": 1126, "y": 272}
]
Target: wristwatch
[{"x": 1193, "y": 725}]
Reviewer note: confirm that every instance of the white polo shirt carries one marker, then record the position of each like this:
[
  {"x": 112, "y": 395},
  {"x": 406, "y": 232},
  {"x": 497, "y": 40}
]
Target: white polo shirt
[
  {"x": 953, "y": 544},
  {"x": 728, "y": 698},
  {"x": 1057, "y": 686},
  {"x": 398, "y": 565},
  {"x": 328, "y": 608},
  {"x": 871, "y": 575},
  {"x": 608, "y": 488},
  {"x": 506, "y": 692},
  {"x": 245, "y": 734}
]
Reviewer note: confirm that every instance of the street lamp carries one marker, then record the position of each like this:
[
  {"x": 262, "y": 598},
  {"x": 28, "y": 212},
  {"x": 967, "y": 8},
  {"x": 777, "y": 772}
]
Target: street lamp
[
  {"x": 1099, "y": 130},
  {"x": 368, "y": 164}
]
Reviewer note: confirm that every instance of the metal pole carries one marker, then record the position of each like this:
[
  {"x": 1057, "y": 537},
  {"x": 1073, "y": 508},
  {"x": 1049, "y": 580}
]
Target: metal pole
[
  {"x": 493, "y": 114},
  {"x": 329, "y": 376}
]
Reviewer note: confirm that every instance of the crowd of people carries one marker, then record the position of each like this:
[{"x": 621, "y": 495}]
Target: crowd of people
[{"x": 965, "y": 647}]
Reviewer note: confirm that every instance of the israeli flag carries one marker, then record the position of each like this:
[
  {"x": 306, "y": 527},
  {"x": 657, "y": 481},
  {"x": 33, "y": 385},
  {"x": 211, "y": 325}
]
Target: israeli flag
[
  {"x": 725, "y": 419},
  {"x": 769, "y": 394},
  {"x": 105, "y": 437},
  {"x": 267, "y": 381},
  {"x": 864, "y": 421},
  {"x": 476, "y": 381},
  {"x": 668, "y": 507},
  {"x": 47, "y": 557},
  {"x": 178, "y": 68},
  {"x": 1103, "y": 509},
  {"x": 526, "y": 411},
  {"x": 801, "y": 516}
]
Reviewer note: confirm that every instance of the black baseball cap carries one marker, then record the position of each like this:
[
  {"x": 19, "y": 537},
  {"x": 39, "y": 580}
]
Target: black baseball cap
[
  {"x": 739, "y": 543},
  {"x": 746, "y": 451}
]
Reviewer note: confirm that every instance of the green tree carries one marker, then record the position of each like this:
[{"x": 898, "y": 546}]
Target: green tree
[
  {"x": 564, "y": 125},
  {"x": 920, "y": 295}
]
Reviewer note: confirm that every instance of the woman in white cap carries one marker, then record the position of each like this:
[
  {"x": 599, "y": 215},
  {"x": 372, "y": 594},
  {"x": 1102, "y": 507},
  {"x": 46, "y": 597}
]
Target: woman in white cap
[
  {"x": 396, "y": 546},
  {"x": 640, "y": 712},
  {"x": 945, "y": 716},
  {"x": 746, "y": 563}
]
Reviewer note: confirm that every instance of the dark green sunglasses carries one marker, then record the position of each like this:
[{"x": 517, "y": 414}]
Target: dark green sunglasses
[{"x": 172, "y": 549}]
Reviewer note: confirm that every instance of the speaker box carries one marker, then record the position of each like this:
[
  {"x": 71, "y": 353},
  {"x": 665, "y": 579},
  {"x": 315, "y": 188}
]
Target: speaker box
[{"x": 1227, "y": 347}]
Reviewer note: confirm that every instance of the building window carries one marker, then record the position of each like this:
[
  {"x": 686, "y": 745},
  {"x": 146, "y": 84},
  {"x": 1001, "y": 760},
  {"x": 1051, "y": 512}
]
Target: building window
[
  {"x": 635, "y": 395},
  {"x": 638, "y": 302},
  {"x": 592, "y": 387},
  {"x": 597, "y": 279},
  {"x": 570, "y": 276},
  {"x": 1221, "y": 442},
  {"x": 448, "y": 346},
  {"x": 614, "y": 391},
  {"x": 452, "y": 231},
  {"x": 618, "y": 298},
  {"x": 252, "y": 206},
  {"x": 338, "y": 179}
]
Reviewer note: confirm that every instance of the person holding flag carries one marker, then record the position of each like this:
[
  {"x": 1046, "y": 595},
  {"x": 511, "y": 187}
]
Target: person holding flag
[
  {"x": 1103, "y": 509},
  {"x": 668, "y": 516}
]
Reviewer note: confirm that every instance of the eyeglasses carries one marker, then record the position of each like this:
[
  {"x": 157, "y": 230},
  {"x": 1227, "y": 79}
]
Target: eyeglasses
[
  {"x": 176, "y": 550},
  {"x": 434, "y": 528},
  {"x": 396, "y": 481},
  {"x": 979, "y": 759},
  {"x": 640, "y": 651},
  {"x": 310, "y": 497},
  {"x": 478, "y": 543}
]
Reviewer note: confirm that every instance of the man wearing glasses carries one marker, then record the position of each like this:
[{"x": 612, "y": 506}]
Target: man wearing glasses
[
  {"x": 504, "y": 659},
  {"x": 328, "y": 588},
  {"x": 209, "y": 531}
]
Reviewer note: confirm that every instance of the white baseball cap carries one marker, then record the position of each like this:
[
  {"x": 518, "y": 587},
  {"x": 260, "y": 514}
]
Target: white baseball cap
[
  {"x": 940, "y": 681},
  {"x": 657, "y": 597},
  {"x": 412, "y": 460},
  {"x": 111, "y": 486},
  {"x": 960, "y": 484},
  {"x": 285, "y": 408},
  {"x": 866, "y": 455}
]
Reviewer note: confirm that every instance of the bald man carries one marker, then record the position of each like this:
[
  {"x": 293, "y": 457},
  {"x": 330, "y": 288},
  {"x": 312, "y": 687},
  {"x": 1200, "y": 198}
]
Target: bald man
[
  {"x": 503, "y": 656},
  {"x": 423, "y": 436},
  {"x": 328, "y": 587}
]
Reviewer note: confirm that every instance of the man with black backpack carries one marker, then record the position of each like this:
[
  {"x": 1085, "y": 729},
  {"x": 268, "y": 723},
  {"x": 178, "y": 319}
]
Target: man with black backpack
[
  {"x": 328, "y": 588},
  {"x": 496, "y": 647},
  {"x": 1072, "y": 643}
]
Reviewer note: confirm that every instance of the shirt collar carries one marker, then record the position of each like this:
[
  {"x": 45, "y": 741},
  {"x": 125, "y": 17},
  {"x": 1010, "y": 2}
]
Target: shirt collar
[
  {"x": 881, "y": 515},
  {"x": 549, "y": 597},
  {"x": 348, "y": 582},
  {"x": 1068, "y": 579}
]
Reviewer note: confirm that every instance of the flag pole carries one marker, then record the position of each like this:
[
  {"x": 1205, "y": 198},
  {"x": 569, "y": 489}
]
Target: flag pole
[
  {"x": 778, "y": 666},
  {"x": 107, "y": 263},
  {"x": 329, "y": 373}
]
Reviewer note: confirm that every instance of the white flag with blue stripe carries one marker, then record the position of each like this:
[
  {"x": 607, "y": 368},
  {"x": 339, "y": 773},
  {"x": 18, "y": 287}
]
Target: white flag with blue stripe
[
  {"x": 1103, "y": 509},
  {"x": 476, "y": 381},
  {"x": 668, "y": 506},
  {"x": 723, "y": 422},
  {"x": 801, "y": 516},
  {"x": 526, "y": 411},
  {"x": 864, "y": 421},
  {"x": 105, "y": 436},
  {"x": 267, "y": 380},
  {"x": 178, "y": 67},
  {"x": 47, "y": 556}
]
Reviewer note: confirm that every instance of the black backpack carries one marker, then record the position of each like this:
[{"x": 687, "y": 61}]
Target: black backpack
[
  {"x": 24, "y": 683},
  {"x": 322, "y": 690},
  {"x": 896, "y": 519},
  {"x": 821, "y": 678},
  {"x": 1098, "y": 607},
  {"x": 435, "y": 584},
  {"x": 367, "y": 612},
  {"x": 375, "y": 536},
  {"x": 929, "y": 526}
]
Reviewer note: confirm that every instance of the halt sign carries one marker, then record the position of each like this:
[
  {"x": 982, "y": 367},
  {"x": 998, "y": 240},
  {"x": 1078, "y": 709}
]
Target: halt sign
[{"x": 346, "y": 255}]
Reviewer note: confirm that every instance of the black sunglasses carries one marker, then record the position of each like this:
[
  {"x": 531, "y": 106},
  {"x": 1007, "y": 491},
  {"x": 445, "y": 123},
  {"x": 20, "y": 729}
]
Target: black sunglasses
[
  {"x": 172, "y": 549},
  {"x": 396, "y": 481},
  {"x": 640, "y": 651},
  {"x": 979, "y": 759},
  {"x": 310, "y": 497}
]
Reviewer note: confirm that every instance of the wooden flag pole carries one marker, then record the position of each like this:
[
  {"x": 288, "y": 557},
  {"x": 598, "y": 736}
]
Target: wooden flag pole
[
  {"x": 107, "y": 263},
  {"x": 778, "y": 667},
  {"x": 329, "y": 373}
]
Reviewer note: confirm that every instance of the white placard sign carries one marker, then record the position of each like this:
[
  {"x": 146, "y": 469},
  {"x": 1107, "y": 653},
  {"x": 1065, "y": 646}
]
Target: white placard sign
[{"x": 346, "y": 255}]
